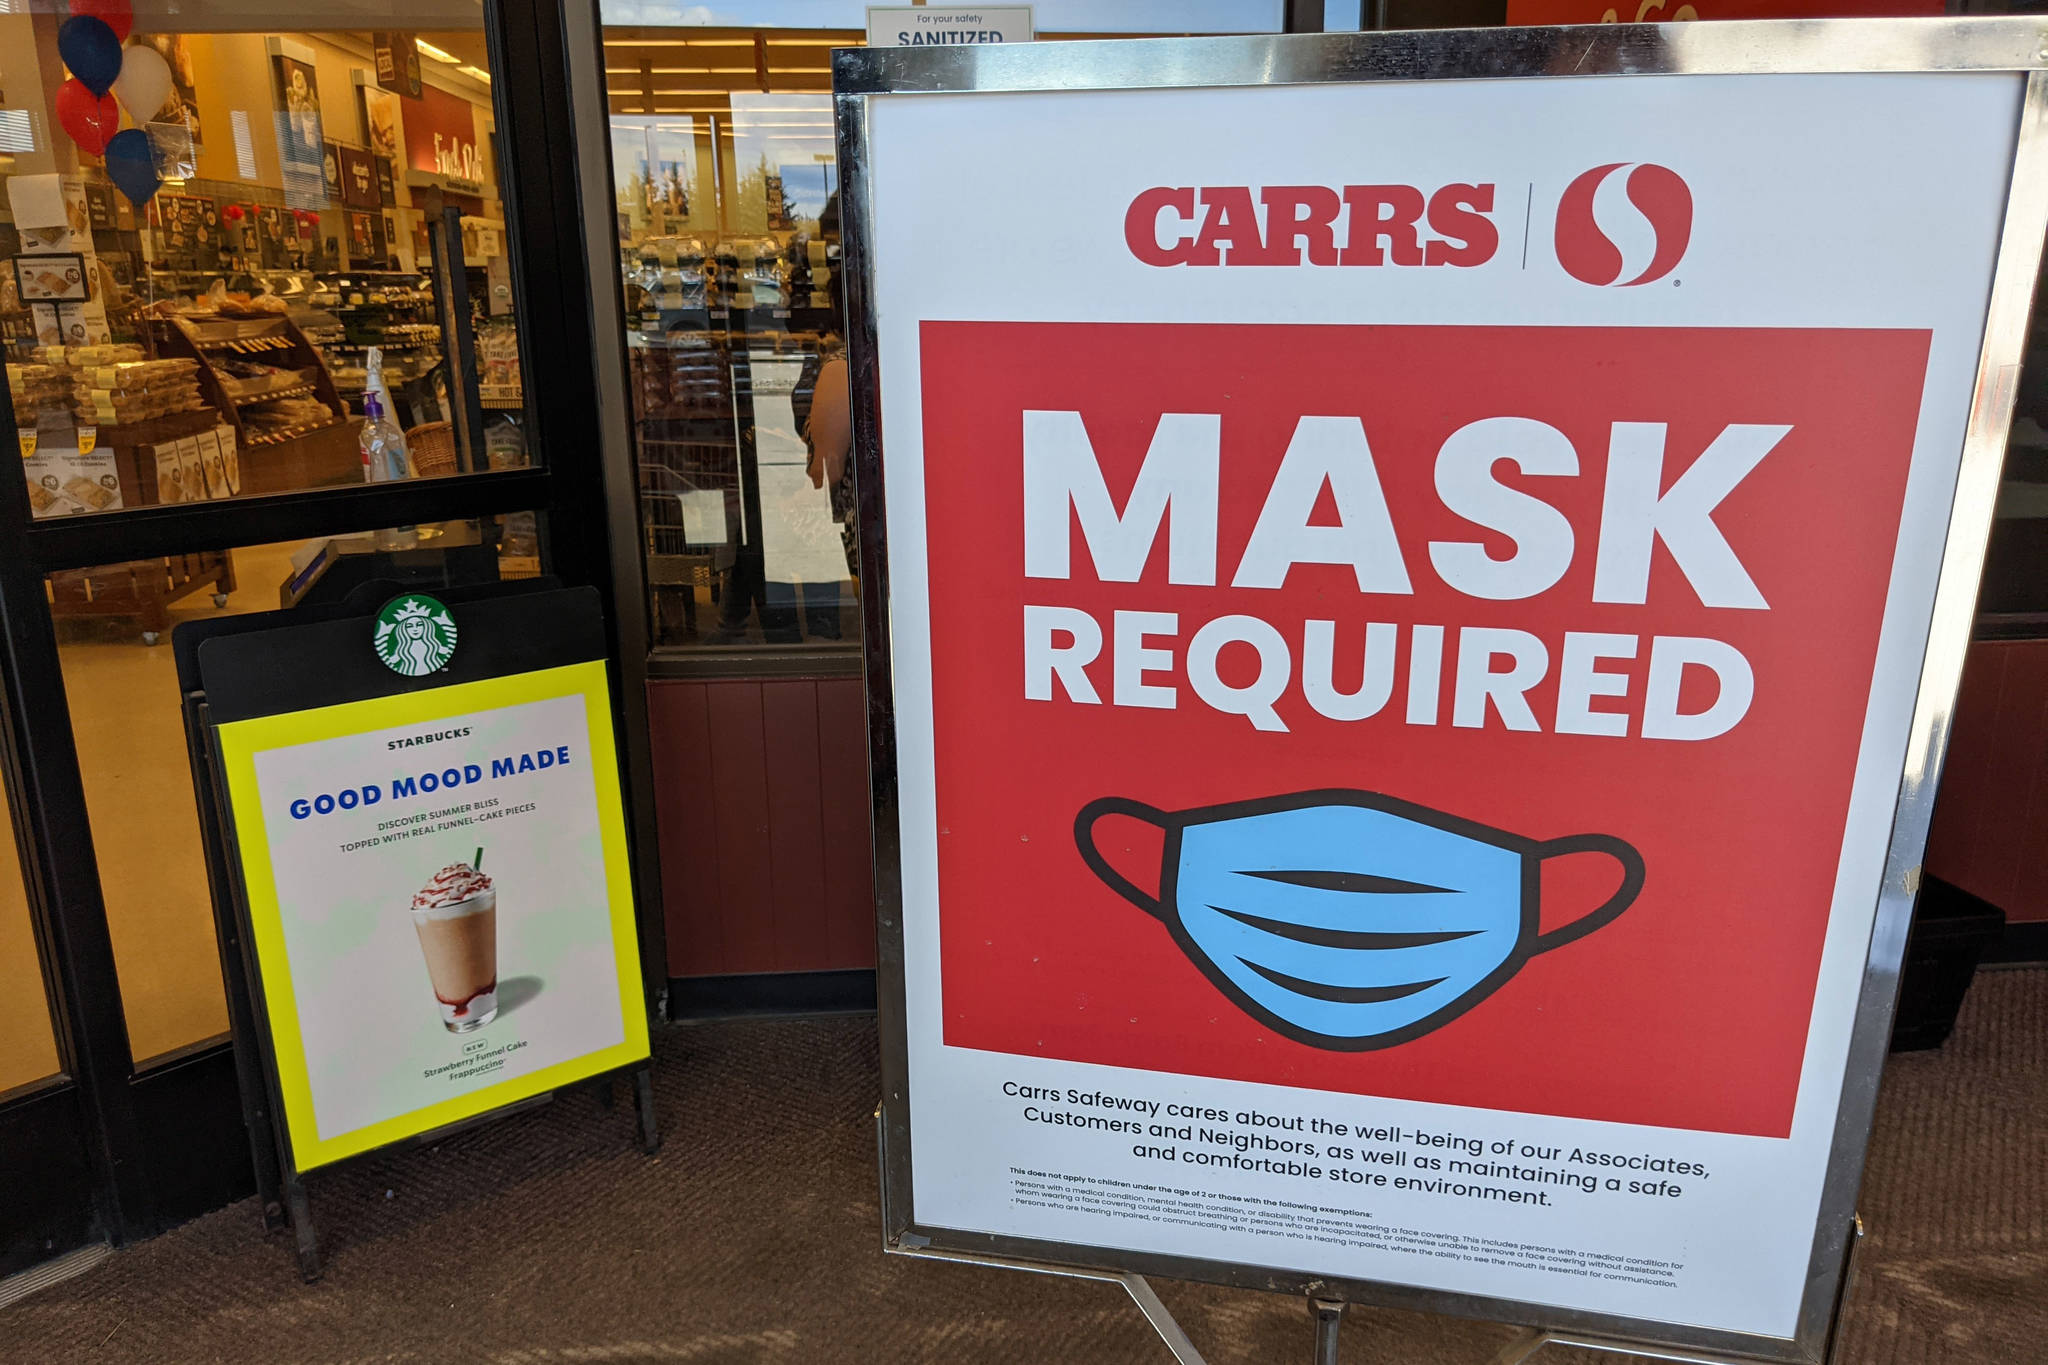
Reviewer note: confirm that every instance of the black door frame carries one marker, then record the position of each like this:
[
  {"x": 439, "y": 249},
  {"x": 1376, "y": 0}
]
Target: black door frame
[{"x": 105, "y": 1150}]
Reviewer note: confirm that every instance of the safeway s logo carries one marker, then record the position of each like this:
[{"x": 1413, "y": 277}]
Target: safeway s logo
[{"x": 1624, "y": 229}]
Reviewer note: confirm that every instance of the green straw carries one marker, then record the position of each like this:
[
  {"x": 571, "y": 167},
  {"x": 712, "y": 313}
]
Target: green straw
[{"x": 477, "y": 862}]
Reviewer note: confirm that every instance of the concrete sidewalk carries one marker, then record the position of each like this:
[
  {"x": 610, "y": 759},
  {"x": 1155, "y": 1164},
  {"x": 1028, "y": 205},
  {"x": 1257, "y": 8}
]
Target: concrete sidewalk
[{"x": 754, "y": 1237}]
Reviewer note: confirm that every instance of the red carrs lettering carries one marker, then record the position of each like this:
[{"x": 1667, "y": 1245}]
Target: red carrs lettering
[
  {"x": 1312, "y": 225},
  {"x": 1142, "y": 225},
  {"x": 1305, "y": 214},
  {"x": 1383, "y": 213},
  {"x": 1457, "y": 214}
]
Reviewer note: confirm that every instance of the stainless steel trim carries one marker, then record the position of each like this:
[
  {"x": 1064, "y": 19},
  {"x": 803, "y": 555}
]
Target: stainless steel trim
[
  {"x": 589, "y": 112},
  {"x": 1529, "y": 1346},
  {"x": 856, "y": 225},
  {"x": 749, "y": 661},
  {"x": 1948, "y": 641},
  {"x": 1784, "y": 47}
]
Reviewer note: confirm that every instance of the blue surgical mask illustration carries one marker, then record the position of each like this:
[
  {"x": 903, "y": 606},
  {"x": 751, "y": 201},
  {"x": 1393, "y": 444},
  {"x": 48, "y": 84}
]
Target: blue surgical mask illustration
[{"x": 1349, "y": 920}]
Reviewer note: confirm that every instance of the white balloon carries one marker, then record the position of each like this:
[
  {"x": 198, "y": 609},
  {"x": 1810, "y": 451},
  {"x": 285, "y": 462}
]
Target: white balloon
[{"x": 144, "y": 83}]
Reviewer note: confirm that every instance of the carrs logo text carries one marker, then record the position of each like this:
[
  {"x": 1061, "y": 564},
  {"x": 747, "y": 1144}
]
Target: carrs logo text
[{"x": 1624, "y": 223}]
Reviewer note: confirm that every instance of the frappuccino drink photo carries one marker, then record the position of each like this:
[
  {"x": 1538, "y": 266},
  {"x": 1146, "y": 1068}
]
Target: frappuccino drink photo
[{"x": 456, "y": 917}]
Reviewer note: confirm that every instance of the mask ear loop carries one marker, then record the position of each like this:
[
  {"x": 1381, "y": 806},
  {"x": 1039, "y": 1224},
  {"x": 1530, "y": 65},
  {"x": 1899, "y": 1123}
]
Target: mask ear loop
[
  {"x": 1624, "y": 896},
  {"x": 1084, "y": 840}
]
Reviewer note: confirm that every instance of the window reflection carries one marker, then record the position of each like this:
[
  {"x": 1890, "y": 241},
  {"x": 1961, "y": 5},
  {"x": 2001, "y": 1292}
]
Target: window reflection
[{"x": 729, "y": 246}]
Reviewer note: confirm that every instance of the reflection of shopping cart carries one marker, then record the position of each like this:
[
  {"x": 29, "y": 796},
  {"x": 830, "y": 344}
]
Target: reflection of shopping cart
[{"x": 690, "y": 541}]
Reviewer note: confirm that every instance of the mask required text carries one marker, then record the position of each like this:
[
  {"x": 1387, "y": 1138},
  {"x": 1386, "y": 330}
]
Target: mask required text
[{"x": 1482, "y": 671}]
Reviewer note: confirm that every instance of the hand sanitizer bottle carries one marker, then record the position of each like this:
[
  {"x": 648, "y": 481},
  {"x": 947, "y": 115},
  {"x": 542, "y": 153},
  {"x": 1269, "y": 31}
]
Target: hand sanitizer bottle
[{"x": 385, "y": 458}]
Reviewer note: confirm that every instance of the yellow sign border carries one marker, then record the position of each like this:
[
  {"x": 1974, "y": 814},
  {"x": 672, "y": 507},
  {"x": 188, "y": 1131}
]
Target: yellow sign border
[{"x": 241, "y": 741}]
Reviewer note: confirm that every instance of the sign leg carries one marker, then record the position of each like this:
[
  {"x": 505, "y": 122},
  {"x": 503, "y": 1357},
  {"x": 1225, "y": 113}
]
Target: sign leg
[
  {"x": 1141, "y": 1292},
  {"x": 1329, "y": 1315},
  {"x": 303, "y": 1232},
  {"x": 1849, "y": 1259},
  {"x": 643, "y": 1101}
]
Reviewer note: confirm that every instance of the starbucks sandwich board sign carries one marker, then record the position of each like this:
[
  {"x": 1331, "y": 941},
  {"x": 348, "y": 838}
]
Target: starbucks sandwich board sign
[{"x": 429, "y": 861}]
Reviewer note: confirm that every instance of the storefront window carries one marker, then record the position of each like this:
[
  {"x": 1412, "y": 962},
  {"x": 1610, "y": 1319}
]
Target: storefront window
[
  {"x": 725, "y": 167},
  {"x": 2013, "y": 600},
  {"x": 217, "y": 245},
  {"x": 729, "y": 243}
]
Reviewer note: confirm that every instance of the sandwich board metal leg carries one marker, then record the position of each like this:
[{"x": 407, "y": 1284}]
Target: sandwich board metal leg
[
  {"x": 1329, "y": 1316},
  {"x": 643, "y": 1101},
  {"x": 303, "y": 1232}
]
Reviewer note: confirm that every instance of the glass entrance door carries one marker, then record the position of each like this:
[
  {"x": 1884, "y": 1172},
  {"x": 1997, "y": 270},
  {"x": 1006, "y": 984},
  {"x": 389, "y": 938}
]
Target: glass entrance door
[
  {"x": 28, "y": 1041},
  {"x": 274, "y": 310}
]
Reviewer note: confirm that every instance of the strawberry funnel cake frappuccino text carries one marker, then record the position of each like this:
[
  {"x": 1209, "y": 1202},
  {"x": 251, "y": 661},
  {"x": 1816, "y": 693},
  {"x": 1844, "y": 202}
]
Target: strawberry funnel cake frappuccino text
[{"x": 456, "y": 916}]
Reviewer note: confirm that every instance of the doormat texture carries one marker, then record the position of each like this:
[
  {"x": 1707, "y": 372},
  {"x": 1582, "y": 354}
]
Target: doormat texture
[{"x": 753, "y": 1237}]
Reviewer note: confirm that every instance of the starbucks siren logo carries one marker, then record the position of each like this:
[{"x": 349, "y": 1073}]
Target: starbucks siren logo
[{"x": 415, "y": 635}]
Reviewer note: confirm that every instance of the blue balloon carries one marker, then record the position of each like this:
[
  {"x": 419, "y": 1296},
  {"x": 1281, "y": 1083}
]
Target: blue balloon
[
  {"x": 131, "y": 163},
  {"x": 91, "y": 50}
]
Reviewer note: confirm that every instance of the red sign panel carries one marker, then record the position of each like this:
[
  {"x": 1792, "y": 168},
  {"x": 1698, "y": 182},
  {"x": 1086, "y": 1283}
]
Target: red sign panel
[{"x": 1447, "y": 625}]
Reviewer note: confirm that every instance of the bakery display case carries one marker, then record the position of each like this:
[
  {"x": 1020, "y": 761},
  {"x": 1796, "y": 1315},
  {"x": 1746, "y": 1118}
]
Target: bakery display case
[{"x": 271, "y": 387}]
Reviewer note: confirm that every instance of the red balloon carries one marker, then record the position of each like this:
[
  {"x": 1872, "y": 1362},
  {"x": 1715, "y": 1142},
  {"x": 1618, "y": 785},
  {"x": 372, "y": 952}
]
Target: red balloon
[
  {"x": 90, "y": 119},
  {"x": 117, "y": 15}
]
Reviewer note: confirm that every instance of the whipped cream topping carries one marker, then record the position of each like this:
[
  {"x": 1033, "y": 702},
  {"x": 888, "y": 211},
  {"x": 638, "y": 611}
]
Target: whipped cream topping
[{"x": 452, "y": 885}]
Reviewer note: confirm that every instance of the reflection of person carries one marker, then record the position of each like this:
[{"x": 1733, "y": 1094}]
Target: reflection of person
[
  {"x": 825, "y": 417},
  {"x": 829, "y": 432},
  {"x": 821, "y": 407}
]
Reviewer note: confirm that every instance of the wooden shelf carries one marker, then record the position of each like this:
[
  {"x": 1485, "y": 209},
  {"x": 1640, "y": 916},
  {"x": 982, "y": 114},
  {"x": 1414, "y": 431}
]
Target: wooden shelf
[{"x": 281, "y": 344}]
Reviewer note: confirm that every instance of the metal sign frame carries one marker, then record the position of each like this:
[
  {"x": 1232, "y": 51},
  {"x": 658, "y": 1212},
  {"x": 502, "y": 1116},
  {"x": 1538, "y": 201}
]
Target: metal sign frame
[{"x": 1784, "y": 47}]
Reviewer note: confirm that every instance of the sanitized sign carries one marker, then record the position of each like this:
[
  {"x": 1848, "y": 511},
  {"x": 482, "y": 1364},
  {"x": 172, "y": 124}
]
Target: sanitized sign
[
  {"x": 1403, "y": 641},
  {"x": 439, "y": 901},
  {"x": 948, "y": 26}
]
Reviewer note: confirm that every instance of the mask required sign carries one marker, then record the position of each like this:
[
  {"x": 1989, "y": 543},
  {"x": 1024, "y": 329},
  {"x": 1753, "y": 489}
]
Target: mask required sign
[{"x": 1394, "y": 767}]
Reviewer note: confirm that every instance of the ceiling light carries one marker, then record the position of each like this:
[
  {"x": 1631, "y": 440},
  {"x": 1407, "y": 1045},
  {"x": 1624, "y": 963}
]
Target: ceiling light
[
  {"x": 477, "y": 72},
  {"x": 436, "y": 53}
]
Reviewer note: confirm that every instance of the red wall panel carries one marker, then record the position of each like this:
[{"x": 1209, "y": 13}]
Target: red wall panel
[
  {"x": 1990, "y": 830},
  {"x": 761, "y": 801}
]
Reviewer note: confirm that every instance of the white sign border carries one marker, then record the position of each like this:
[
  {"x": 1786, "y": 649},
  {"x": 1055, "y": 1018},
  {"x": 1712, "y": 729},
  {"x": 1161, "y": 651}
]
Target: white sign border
[{"x": 2018, "y": 45}]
